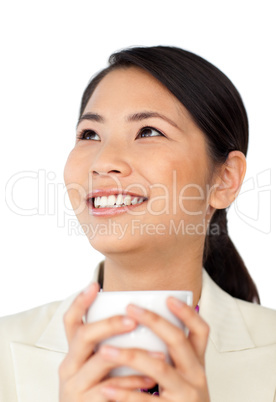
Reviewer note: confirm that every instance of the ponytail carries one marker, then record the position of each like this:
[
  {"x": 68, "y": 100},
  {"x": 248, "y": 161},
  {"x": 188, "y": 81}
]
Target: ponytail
[{"x": 224, "y": 264}]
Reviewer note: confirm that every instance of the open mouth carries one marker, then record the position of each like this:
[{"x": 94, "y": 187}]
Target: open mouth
[{"x": 112, "y": 204}]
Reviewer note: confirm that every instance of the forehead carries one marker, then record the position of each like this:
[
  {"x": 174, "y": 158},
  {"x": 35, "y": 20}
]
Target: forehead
[{"x": 133, "y": 87}]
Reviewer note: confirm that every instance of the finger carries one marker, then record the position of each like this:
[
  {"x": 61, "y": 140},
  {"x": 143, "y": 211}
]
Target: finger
[
  {"x": 185, "y": 393},
  {"x": 198, "y": 328},
  {"x": 118, "y": 394},
  {"x": 73, "y": 317},
  {"x": 84, "y": 385},
  {"x": 92, "y": 372},
  {"x": 144, "y": 362},
  {"x": 179, "y": 347},
  {"x": 128, "y": 383},
  {"x": 88, "y": 336},
  {"x": 133, "y": 382}
]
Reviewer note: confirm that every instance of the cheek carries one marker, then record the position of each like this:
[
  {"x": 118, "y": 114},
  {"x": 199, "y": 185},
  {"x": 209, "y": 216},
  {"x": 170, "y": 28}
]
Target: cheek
[
  {"x": 68, "y": 172},
  {"x": 179, "y": 185},
  {"x": 177, "y": 170},
  {"x": 192, "y": 187},
  {"x": 74, "y": 179}
]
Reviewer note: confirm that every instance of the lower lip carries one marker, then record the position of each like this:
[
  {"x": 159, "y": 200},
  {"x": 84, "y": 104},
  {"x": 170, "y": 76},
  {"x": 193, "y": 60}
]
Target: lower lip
[{"x": 111, "y": 211}]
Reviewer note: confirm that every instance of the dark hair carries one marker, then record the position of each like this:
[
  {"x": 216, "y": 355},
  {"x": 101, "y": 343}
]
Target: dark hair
[{"x": 217, "y": 109}]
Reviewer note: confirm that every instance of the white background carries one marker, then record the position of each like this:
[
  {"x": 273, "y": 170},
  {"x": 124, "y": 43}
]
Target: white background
[{"x": 49, "y": 51}]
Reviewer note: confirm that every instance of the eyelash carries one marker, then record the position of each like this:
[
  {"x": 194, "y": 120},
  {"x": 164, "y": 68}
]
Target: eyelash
[{"x": 81, "y": 135}]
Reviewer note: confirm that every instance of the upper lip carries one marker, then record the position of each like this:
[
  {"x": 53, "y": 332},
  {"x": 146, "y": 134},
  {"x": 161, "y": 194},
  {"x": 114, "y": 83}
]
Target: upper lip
[{"x": 111, "y": 191}]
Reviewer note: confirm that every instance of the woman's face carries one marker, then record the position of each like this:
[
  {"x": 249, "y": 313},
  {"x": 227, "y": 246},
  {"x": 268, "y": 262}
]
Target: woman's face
[{"x": 138, "y": 140}]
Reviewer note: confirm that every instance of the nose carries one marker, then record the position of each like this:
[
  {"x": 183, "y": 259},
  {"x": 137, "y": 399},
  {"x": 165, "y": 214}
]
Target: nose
[{"x": 110, "y": 160}]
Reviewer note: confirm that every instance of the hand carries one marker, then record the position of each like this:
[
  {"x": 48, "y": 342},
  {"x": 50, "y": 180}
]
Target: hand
[
  {"x": 186, "y": 379},
  {"x": 83, "y": 372}
]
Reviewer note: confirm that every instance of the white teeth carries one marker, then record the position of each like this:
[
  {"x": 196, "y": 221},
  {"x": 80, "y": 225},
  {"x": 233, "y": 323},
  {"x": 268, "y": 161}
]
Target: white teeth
[
  {"x": 127, "y": 200},
  {"x": 115, "y": 202},
  {"x": 111, "y": 200},
  {"x": 119, "y": 200},
  {"x": 97, "y": 202},
  {"x": 103, "y": 201}
]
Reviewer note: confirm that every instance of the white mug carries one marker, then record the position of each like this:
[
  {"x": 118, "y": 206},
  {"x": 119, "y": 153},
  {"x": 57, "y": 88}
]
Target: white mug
[{"x": 108, "y": 304}]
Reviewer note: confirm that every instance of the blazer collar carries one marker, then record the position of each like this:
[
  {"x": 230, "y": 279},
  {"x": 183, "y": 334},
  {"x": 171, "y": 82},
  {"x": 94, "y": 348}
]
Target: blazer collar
[
  {"x": 228, "y": 330},
  {"x": 54, "y": 338}
]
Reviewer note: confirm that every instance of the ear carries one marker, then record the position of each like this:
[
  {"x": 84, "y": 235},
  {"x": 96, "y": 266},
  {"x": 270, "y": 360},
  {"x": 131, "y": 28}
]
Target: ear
[{"x": 227, "y": 180}]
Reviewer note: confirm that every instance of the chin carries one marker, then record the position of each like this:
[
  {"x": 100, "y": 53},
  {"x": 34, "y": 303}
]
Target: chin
[{"x": 113, "y": 245}]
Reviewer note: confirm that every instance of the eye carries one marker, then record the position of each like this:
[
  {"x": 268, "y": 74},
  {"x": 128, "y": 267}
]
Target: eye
[
  {"x": 149, "y": 132},
  {"x": 88, "y": 135}
]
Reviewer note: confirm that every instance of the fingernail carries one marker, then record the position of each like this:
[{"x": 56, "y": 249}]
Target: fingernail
[
  {"x": 109, "y": 351},
  {"x": 157, "y": 355},
  {"x": 128, "y": 322},
  {"x": 136, "y": 309},
  {"x": 108, "y": 391},
  {"x": 148, "y": 380},
  {"x": 176, "y": 302},
  {"x": 90, "y": 287}
]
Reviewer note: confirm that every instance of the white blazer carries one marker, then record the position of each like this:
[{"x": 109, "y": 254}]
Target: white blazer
[{"x": 240, "y": 357}]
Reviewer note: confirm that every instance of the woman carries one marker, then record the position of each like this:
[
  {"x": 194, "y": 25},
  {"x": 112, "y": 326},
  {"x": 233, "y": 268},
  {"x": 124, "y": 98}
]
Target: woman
[{"x": 159, "y": 157}]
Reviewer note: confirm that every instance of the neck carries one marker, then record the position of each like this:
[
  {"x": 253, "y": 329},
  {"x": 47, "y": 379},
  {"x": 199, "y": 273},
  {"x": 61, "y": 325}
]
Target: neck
[{"x": 147, "y": 272}]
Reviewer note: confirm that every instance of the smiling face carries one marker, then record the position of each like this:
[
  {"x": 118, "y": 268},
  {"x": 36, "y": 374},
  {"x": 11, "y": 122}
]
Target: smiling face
[{"x": 136, "y": 139}]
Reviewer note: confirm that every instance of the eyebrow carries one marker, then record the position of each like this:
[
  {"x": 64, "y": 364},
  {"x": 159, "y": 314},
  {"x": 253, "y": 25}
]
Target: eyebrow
[{"x": 133, "y": 117}]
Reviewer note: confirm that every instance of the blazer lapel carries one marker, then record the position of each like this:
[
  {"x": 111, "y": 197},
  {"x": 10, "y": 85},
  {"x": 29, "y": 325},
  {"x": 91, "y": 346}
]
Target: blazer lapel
[
  {"x": 228, "y": 331},
  {"x": 36, "y": 373}
]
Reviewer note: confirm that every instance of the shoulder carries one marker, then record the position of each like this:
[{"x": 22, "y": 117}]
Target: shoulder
[
  {"x": 242, "y": 346},
  {"x": 260, "y": 322},
  {"x": 23, "y": 355},
  {"x": 28, "y": 325},
  {"x": 235, "y": 324}
]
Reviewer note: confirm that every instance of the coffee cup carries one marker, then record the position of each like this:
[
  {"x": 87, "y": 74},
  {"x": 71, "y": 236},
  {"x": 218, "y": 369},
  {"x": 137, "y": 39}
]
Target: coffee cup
[{"x": 108, "y": 304}]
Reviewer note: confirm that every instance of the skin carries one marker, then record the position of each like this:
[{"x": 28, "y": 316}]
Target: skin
[{"x": 117, "y": 154}]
